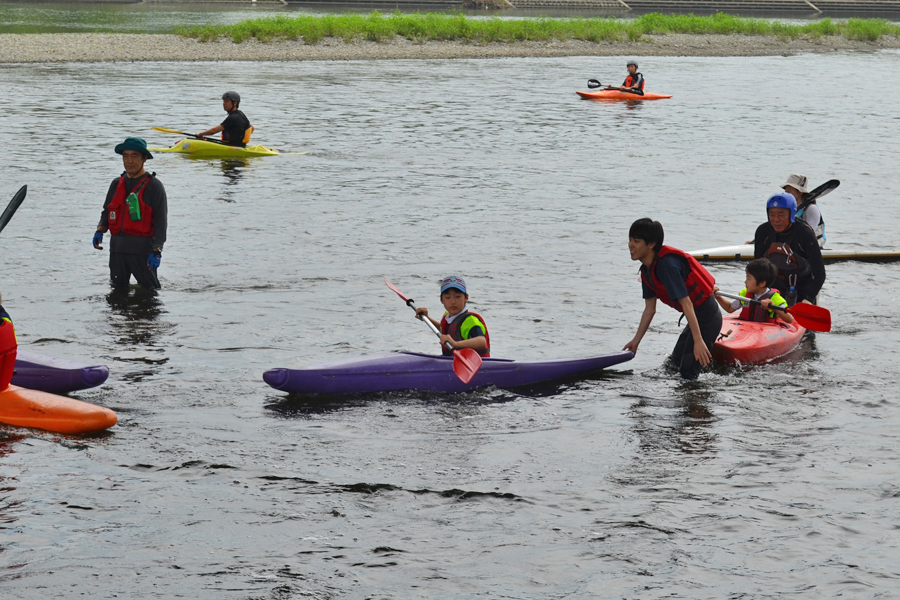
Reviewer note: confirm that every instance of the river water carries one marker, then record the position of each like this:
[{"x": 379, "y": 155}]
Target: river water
[{"x": 755, "y": 482}]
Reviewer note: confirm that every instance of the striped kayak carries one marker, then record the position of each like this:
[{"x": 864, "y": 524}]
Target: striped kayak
[
  {"x": 617, "y": 95},
  {"x": 745, "y": 252},
  {"x": 55, "y": 375},
  {"x": 414, "y": 371},
  {"x": 753, "y": 343},
  {"x": 205, "y": 149},
  {"x": 39, "y": 410}
]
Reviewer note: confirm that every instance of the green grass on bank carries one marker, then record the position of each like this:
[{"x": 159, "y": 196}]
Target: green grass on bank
[{"x": 434, "y": 26}]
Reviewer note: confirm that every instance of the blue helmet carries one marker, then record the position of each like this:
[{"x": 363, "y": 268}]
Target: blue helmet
[{"x": 783, "y": 200}]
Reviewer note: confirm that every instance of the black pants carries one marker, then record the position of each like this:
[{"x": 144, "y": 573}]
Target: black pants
[
  {"x": 709, "y": 317},
  {"x": 122, "y": 266}
]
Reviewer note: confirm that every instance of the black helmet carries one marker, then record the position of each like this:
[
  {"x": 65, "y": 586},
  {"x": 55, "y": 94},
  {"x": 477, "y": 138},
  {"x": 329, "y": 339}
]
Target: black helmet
[
  {"x": 632, "y": 62},
  {"x": 233, "y": 96}
]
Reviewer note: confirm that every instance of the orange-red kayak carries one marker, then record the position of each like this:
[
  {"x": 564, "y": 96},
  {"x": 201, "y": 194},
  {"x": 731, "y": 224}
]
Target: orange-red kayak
[
  {"x": 31, "y": 408},
  {"x": 752, "y": 343},
  {"x": 617, "y": 95}
]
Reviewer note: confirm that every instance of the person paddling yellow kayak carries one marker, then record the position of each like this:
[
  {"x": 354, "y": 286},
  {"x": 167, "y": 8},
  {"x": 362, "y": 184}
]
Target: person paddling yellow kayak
[{"x": 236, "y": 128}]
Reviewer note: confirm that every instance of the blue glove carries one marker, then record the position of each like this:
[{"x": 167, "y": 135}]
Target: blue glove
[
  {"x": 154, "y": 260},
  {"x": 98, "y": 239}
]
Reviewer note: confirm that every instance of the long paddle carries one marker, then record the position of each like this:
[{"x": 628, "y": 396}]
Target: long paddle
[
  {"x": 594, "y": 84},
  {"x": 810, "y": 316},
  {"x": 826, "y": 188},
  {"x": 209, "y": 139},
  {"x": 191, "y": 135},
  {"x": 466, "y": 362},
  {"x": 13, "y": 206}
]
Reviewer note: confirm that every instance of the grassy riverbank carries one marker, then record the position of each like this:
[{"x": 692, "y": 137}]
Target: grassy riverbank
[{"x": 423, "y": 27}]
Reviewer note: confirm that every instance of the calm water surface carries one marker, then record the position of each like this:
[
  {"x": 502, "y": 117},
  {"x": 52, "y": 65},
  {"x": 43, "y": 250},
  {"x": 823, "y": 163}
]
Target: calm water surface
[{"x": 773, "y": 481}]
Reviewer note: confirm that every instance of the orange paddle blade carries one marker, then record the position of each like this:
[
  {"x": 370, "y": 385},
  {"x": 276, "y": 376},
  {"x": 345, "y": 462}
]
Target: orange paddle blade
[
  {"x": 396, "y": 290},
  {"x": 812, "y": 317},
  {"x": 466, "y": 363}
]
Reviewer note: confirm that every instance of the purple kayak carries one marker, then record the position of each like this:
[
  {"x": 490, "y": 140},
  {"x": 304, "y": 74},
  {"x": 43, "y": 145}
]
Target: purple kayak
[
  {"x": 55, "y": 375},
  {"x": 413, "y": 371}
]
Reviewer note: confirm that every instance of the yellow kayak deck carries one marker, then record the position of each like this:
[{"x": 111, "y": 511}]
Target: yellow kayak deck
[{"x": 204, "y": 149}]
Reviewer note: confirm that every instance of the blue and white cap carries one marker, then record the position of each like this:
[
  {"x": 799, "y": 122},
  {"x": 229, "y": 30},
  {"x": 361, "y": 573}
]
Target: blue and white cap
[{"x": 453, "y": 282}]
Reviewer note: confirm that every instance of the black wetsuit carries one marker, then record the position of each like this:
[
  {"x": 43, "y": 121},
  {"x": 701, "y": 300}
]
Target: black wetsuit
[
  {"x": 796, "y": 253},
  {"x": 672, "y": 271},
  {"x": 234, "y": 128}
]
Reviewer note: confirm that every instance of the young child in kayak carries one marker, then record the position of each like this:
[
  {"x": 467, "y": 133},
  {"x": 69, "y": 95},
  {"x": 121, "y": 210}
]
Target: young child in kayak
[
  {"x": 677, "y": 279},
  {"x": 459, "y": 326},
  {"x": 7, "y": 347},
  {"x": 760, "y": 273}
]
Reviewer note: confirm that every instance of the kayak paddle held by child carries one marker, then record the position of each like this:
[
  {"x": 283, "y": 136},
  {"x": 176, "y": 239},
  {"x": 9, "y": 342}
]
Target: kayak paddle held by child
[{"x": 760, "y": 273}]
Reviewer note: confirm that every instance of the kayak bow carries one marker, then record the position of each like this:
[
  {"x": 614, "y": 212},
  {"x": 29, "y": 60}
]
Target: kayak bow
[
  {"x": 753, "y": 343},
  {"x": 55, "y": 375},
  {"x": 414, "y": 371},
  {"x": 40, "y": 410}
]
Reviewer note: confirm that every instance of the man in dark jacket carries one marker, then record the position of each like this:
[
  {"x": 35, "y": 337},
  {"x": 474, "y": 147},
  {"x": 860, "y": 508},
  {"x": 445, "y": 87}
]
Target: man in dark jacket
[
  {"x": 793, "y": 248},
  {"x": 135, "y": 213}
]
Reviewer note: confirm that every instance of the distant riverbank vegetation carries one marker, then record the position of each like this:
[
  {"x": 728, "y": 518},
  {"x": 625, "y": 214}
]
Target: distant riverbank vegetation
[{"x": 423, "y": 27}]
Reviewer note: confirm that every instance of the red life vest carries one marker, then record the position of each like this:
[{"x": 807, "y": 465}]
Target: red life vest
[
  {"x": 454, "y": 330},
  {"x": 699, "y": 282},
  {"x": 630, "y": 81},
  {"x": 119, "y": 219},
  {"x": 7, "y": 353},
  {"x": 756, "y": 312}
]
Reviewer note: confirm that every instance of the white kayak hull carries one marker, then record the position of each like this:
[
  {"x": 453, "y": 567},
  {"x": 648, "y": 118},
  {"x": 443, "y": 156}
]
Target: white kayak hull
[{"x": 745, "y": 252}]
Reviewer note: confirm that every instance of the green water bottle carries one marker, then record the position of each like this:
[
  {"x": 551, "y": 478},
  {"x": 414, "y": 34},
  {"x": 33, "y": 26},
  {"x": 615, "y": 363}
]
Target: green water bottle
[{"x": 134, "y": 207}]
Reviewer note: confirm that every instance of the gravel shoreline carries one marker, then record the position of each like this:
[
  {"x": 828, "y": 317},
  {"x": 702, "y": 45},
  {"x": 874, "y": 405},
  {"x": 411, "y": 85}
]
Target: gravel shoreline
[{"x": 117, "y": 47}]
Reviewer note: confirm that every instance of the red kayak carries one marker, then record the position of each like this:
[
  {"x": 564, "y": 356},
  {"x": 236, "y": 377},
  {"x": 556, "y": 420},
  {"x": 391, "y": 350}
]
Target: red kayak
[
  {"x": 617, "y": 95},
  {"x": 752, "y": 343}
]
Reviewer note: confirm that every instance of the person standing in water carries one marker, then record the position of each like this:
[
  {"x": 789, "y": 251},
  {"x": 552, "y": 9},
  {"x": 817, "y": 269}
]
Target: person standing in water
[
  {"x": 677, "y": 279},
  {"x": 236, "y": 127},
  {"x": 7, "y": 348},
  {"x": 136, "y": 214}
]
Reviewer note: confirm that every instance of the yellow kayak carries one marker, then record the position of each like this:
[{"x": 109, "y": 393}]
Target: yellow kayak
[{"x": 204, "y": 149}]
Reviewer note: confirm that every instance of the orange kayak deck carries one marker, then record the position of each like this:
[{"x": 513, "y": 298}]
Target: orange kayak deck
[
  {"x": 751, "y": 343},
  {"x": 40, "y": 410},
  {"x": 617, "y": 95}
]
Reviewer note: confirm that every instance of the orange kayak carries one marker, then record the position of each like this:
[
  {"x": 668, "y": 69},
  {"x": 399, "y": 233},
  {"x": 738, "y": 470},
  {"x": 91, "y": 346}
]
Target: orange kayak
[
  {"x": 752, "y": 343},
  {"x": 40, "y": 410},
  {"x": 617, "y": 95}
]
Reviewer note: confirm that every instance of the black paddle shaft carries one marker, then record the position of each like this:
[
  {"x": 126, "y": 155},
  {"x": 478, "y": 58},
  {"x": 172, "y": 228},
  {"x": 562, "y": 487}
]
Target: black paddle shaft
[
  {"x": 752, "y": 301},
  {"x": 13, "y": 206},
  {"x": 427, "y": 321}
]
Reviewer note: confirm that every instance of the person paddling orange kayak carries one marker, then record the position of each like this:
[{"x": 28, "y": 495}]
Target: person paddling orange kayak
[{"x": 633, "y": 84}]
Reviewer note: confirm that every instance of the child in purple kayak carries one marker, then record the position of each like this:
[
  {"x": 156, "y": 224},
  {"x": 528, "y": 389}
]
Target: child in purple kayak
[
  {"x": 760, "y": 273},
  {"x": 459, "y": 326}
]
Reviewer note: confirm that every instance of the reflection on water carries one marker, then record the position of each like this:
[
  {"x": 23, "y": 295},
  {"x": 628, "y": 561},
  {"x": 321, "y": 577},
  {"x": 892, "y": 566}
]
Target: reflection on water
[
  {"x": 693, "y": 428},
  {"x": 136, "y": 328},
  {"x": 233, "y": 172},
  {"x": 8, "y": 506}
]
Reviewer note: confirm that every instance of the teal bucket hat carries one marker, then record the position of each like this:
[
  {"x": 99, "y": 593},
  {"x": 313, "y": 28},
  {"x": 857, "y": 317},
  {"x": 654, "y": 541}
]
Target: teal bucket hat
[{"x": 134, "y": 143}]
